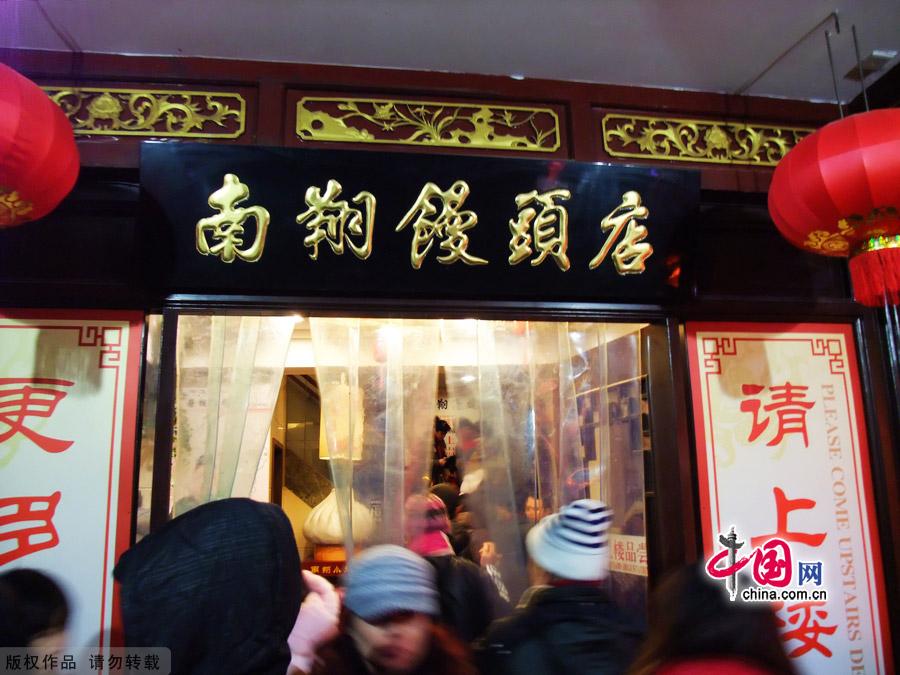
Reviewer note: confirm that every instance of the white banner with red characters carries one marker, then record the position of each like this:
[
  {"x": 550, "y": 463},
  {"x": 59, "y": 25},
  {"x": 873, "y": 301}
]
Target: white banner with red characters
[
  {"x": 68, "y": 402},
  {"x": 628, "y": 554},
  {"x": 785, "y": 488}
]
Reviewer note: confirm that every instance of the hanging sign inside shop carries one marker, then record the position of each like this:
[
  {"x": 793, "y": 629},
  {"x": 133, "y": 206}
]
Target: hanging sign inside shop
[
  {"x": 69, "y": 390},
  {"x": 285, "y": 221},
  {"x": 785, "y": 486}
]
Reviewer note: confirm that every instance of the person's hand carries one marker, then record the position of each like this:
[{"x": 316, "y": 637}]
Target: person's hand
[
  {"x": 317, "y": 622},
  {"x": 488, "y": 554},
  {"x": 442, "y": 461}
]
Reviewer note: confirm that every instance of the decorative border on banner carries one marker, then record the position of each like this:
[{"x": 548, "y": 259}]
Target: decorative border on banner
[
  {"x": 427, "y": 123},
  {"x": 715, "y": 348},
  {"x": 838, "y": 365},
  {"x": 156, "y": 113},
  {"x": 698, "y": 140},
  {"x": 109, "y": 339},
  {"x": 834, "y": 348}
]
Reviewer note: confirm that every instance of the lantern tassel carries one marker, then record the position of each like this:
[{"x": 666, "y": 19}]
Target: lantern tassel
[{"x": 876, "y": 277}]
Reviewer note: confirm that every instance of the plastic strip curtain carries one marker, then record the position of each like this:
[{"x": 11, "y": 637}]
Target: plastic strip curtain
[
  {"x": 622, "y": 416},
  {"x": 148, "y": 424},
  {"x": 229, "y": 372},
  {"x": 542, "y": 413},
  {"x": 517, "y": 379},
  {"x": 377, "y": 381},
  {"x": 538, "y": 396}
]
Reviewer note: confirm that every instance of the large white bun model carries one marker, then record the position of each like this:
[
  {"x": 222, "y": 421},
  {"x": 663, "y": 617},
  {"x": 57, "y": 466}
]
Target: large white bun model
[{"x": 323, "y": 525}]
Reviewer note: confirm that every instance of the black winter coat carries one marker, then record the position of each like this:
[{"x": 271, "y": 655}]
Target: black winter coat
[
  {"x": 469, "y": 600},
  {"x": 568, "y": 629}
]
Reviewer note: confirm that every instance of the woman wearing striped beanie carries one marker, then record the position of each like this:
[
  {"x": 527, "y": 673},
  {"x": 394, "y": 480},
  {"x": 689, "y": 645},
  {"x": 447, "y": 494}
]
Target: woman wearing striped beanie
[
  {"x": 573, "y": 544},
  {"x": 567, "y": 623}
]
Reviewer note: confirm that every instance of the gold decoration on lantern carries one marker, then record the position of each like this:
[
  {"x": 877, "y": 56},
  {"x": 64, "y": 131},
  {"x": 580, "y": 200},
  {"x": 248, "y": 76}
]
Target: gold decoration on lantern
[
  {"x": 822, "y": 240},
  {"x": 12, "y": 207},
  {"x": 872, "y": 226},
  {"x": 879, "y": 243},
  {"x": 831, "y": 242},
  {"x": 168, "y": 113},
  {"x": 427, "y": 123},
  {"x": 696, "y": 140}
]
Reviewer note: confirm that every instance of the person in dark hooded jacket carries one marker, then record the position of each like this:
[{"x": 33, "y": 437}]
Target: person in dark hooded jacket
[
  {"x": 468, "y": 599},
  {"x": 220, "y": 586},
  {"x": 566, "y": 623}
]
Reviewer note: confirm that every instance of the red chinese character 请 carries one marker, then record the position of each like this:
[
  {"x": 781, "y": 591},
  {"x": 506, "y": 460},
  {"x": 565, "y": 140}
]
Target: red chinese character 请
[
  {"x": 752, "y": 406},
  {"x": 29, "y": 525},
  {"x": 808, "y": 630},
  {"x": 783, "y": 507},
  {"x": 30, "y": 397},
  {"x": 790, "y": 407}
]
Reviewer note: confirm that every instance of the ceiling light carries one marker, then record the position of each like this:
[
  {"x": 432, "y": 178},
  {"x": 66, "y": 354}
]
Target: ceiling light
[{"x": 871, "y": 64}]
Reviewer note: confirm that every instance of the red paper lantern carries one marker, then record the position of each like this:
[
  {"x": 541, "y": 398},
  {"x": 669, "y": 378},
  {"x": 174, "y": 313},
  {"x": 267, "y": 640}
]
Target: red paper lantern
[
  {"x": 38, "y": 157},
  {"x": 837, "y": 193}
]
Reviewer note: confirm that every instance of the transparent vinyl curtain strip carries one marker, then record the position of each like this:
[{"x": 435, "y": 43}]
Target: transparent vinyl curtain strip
[
  {"x": 573, "y": 477},
  {"x": 234, "y": 402},
  {"x": 272, "y": 343},
  {"x": 392, "y": 522},
  {"x": 214, "y": 374},
  {"x": 501, "y": 406},
  {"x": 387, "y": 385},
  {"x": 335, "y": 349},
  {"x": 221, "y": 361}
]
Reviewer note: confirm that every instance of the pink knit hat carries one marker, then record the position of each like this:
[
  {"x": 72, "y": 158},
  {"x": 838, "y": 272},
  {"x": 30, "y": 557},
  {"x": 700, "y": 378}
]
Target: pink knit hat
[{"x": 427, "y": 525}]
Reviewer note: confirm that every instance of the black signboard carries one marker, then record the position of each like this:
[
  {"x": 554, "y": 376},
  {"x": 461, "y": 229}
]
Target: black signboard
[{"x": 276, "y": 221}]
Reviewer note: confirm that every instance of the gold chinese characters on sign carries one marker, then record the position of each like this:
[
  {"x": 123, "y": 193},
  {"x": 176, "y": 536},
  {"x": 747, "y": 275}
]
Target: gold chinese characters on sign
[
  {"x": 695, "y": 140},
  {"x": 541, "y": 227},
  {"x": 335, "y": 221},
  {"x": 450, "y": 224},
  {"x": 161, "y": 113},
  {"x": 226, "y": 228},
  {"x": 428, "y": 123},
  {"x": 631, "y": 253},
  {"x": 550, "y": 227}
]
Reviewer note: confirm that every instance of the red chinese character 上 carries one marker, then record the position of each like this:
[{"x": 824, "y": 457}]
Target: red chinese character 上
[{"x": 783, "y": 508}]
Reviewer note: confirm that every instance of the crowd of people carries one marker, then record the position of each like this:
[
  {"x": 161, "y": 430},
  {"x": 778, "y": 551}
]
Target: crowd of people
[{"x": 221, "y": 587}]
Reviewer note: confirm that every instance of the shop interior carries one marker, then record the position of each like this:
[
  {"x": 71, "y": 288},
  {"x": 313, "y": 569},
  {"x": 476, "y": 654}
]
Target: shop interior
[{"x": 342, "y": 420}]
